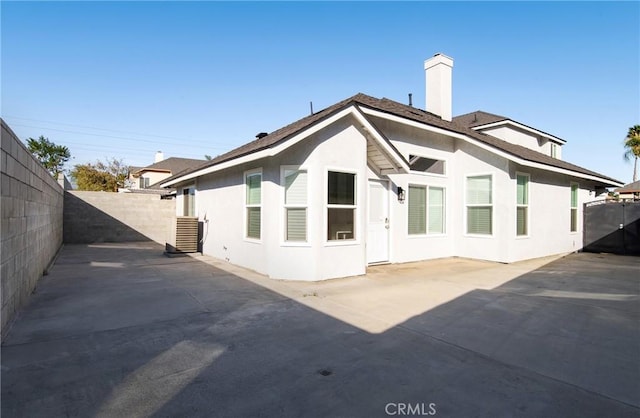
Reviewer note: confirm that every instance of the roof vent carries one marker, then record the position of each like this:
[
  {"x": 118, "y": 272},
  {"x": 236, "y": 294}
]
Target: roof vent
[{"x": 261, "y": 135}]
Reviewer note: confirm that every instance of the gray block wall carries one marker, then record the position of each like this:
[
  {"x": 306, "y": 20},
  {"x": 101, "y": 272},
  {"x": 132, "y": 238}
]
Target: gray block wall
[
  {"x": 31, "y": 229},
  {"x": 91, "y": 217}
]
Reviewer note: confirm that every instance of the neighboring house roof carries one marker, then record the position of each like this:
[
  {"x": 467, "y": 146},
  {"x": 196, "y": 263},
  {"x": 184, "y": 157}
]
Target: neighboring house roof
[
  {"x": 629, "y": 188},
  {"x": 389, "y": 107},
  {"x": 479, "y": 120},
  {"x": 172, "y": 165}
]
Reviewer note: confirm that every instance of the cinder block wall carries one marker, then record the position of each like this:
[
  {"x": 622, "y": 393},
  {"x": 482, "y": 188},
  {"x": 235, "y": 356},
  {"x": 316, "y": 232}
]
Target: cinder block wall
[
  {"x": 31, "y": 230},
  {"x": 116, "y": 217}
]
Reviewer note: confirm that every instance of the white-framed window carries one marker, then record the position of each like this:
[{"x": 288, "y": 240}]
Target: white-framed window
[
  {"x": 189, "y": 201},
  {"x": 294, "y": 183},
  {"x": 554, "y": 150},
  {"x": 341, "y": 206},
  {"x": 479, "y": 205},
  {"x": 574, "y": 207},
  {"x": 436, "y": 210},
  {"x": 417, "y": 207},
  {"x": 420, "y": 164},
  {"x": 143, "y": 182},
  {"x": 253, "y": 204},
  {"x": 426, "y": 207},
  {"x": 522, "y": 204}
]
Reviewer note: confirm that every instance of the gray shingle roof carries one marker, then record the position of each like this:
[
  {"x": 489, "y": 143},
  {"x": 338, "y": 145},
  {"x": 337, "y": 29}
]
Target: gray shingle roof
[
  {"x": 629, "y": 188},
  {"x": 398, "y": 109},
  {"x": 173, "y": 164},
  {"x": 478, "y": 118}
]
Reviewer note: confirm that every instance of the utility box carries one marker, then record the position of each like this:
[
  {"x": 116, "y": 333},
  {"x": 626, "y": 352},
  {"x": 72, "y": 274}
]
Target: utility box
[{"x": 184, "y": 235}]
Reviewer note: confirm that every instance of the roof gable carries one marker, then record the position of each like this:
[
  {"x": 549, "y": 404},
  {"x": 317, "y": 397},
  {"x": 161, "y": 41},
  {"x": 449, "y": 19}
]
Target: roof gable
[
  {"x": 480, "y": 121},
  {"x": 402, "y": 111}
]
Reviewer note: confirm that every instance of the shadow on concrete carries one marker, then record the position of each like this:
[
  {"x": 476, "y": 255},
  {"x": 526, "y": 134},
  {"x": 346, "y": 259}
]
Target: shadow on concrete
[
  {"x": 94, "y": 225},
  {"x": 120, "y": 330}
]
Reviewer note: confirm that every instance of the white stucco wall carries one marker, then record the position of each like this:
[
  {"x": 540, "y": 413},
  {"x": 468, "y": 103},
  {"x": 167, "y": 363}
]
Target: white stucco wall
[
  {"x": 342, "y": 146},
  {"x": 414, "y": 141},
  {"x": 220, "y": 201},
  {"x": 540, "y": 144}
]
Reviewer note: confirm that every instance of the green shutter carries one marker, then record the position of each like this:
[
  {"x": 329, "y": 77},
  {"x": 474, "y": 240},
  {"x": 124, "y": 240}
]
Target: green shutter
[
  {"x": 296, "y": 224},
  {"x": 253, "y": 189},
  {"x": 253, "y": 223},
  {"x": 436, "y": 210},
  {"x": 479, "y": 190},
  {"x": 417, "y": 210},
  {"x": 479, "y": 220}
]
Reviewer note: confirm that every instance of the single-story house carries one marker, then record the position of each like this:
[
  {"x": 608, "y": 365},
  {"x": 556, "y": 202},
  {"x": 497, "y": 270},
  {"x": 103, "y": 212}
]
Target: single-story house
[{"x": 370, "y": 180}]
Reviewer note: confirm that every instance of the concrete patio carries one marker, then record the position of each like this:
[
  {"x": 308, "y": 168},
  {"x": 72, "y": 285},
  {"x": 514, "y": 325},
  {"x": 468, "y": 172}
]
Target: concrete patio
[{"x": 121, "y": 330}]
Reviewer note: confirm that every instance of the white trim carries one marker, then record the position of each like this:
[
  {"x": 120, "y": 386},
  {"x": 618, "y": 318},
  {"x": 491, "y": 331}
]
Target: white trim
[
  {"x": 571, "y": 184},
  {"x": 522, "y": 127},
  {"x": 528, "y": 205},
  {"x": 387, "y": 186},
  {"x": 466, "y": 205},
  {"x": 284, "y": 207},
  {"x": 517, "y": 160},
  {"x": 380, "y": 140},
  {"x": 356, "y": 209},
  {"x": 353, "y": 110},
  {"x": 195, "y": 199},
  {"x": 247, "y": 174},
  {"x": 358, "y": 112},
  {"x": 430, "y": 157},
  {"x": 444, "y": 211}
]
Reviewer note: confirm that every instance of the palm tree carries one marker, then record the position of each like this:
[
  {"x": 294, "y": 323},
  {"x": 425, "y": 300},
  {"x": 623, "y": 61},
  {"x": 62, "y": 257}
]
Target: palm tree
[{"x": 632, "y": 148}]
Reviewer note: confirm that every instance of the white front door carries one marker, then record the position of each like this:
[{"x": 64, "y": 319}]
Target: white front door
[{"x": 378, "y": 222}]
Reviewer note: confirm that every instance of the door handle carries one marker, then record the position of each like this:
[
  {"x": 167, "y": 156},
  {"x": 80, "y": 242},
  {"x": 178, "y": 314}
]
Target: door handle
[{"x": 386, "y": 223}]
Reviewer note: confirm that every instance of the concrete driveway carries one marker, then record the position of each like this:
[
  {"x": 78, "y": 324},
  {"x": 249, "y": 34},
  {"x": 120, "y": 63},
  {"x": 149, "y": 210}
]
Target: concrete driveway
[{"x": 119, "y": 330}]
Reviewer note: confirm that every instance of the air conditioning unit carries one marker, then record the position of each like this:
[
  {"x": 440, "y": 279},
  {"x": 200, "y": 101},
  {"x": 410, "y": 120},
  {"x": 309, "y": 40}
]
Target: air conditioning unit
[{"x": 184, "y": 235}]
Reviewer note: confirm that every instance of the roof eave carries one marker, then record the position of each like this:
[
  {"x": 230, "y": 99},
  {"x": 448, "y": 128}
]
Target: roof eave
[{"x": 519, "y": 126}]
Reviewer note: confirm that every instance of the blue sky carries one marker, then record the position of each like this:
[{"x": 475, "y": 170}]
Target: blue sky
[{"x": 125, "y": 79}]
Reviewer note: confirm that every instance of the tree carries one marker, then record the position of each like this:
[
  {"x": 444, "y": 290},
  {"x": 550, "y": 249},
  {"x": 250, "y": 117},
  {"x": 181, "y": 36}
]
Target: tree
[
  {"x": 50, "y": 155},
  {"x": 107, "y": 177},
  {"x": 632, "y": 148}
]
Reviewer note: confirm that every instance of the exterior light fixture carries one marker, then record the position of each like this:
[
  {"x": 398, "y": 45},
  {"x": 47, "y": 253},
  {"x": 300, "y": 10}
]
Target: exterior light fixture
[{"x": 400, "y": 194}]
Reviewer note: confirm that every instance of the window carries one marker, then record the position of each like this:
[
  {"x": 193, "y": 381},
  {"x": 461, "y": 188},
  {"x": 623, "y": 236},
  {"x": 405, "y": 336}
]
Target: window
[
  {"x": 253, "y": 182},
  {"x": 522, "y": 204},
  {"x": 421, "y": 220},
  {"x": 295, "y": 204},
  {"x": 417, "y": 210},
  {"x": 574, "y": 207},
  {"x": 426, "y": 165},
  {"x": 144, "y": 182},
  {"x": 341, "y": 205},
  {"x": 554, "y": 150},
  {"x": 436, "y": 210},
  {"x": 189, "y": 201},
  {"x": 479, "y": 205}
]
